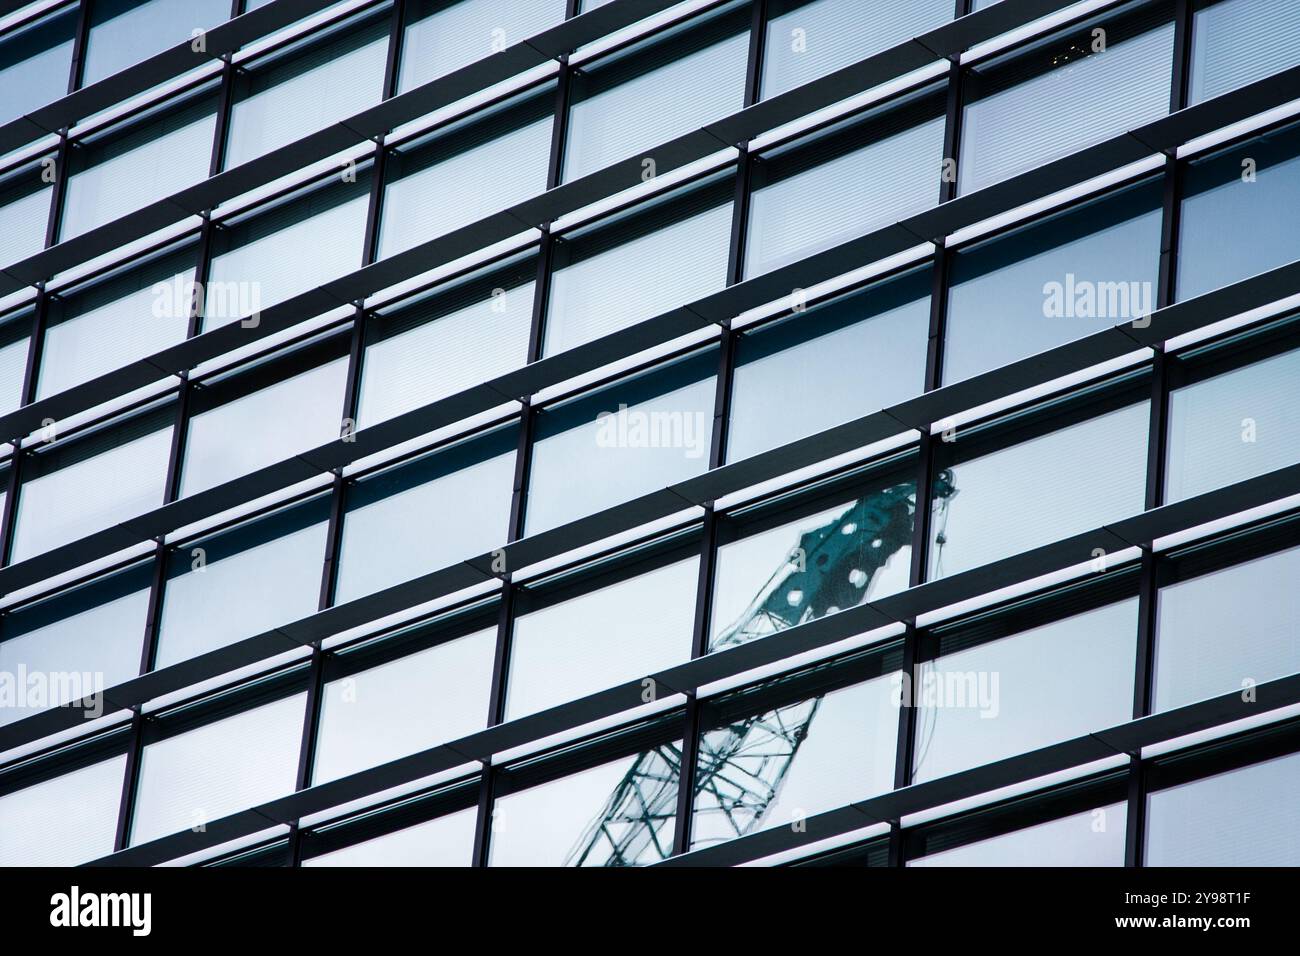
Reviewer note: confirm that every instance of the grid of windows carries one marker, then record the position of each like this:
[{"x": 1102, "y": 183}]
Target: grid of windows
[{"x": 672, "y": 439}]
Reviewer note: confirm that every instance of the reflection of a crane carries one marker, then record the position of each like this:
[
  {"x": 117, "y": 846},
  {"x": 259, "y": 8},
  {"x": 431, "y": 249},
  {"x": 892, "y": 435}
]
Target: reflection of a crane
[{"x": 742, "y": 766}]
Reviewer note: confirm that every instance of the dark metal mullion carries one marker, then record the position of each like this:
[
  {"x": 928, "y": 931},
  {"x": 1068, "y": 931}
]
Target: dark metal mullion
[
  {"x": 1161, "y": 375},
  {"x": 523, "y": 459},
  {"x": 927, "y": 442},
  {"x": 351, "y": 401},
  {"x": 693, "y": 724}
]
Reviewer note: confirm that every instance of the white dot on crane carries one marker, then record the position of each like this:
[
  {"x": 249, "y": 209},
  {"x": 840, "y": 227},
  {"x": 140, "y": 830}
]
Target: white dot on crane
[
  {"x": 794, "y": 597},
  {"x": 877, "y": 543},
  {"x": 857, "y": 577},
  {"x": 849, "y": 528}
]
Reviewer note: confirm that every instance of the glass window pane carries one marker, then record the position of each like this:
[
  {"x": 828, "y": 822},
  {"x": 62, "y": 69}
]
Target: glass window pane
[
  {"x": 292, "y": 249},
  {"x": 1240, "y": 41},
  {"x": 805, "y": 569},
  {"x": 113, "y": 323},
  {"x": 34, "y": 64},
  {"x": 442, "y": 841},
  {"x": 1063, "y": 97},
  {"x": 845, "y": 183},
  {"x": 1092, "y": 838},
  {"x": 75, "y": 644},
  {"x": 15, "y": 337},
  {"x": 461, "y": 496},
  {"x": 292, "y": 97},
  {"x": 794, "y": 761},
  {"x": 242, "y": 582},
  {"x": 1237, "y": 213},
  {"x": 24, "y": 214},
  {"x": 64, "y": 821},
  {"x": 640, "y": 266},
  {"x": 1193, "y": 659},
  {"x": 806, "y": 373},
  {"x": 1029, "y": 690},
  {"x": 1055, "y": 281},
  {"x": 124, "y": 32},
  {"x": 1233, "y": 426},
  {"x": 479, "y": 168},
  {"x": 617, "y": 633},
  {"x": 1042, "y": 490},
  {"x": 404, "y": 706},
  {"x": 446, "y": 342},
  {"x": 91, "y": 485},
  {"x": 113, "y": 176},
  {"x": 1246, "y": 817},
  {"x": 218, "y": 769},
  {"x": 630, "y": 439},
  {"x": 442, "y": 37},
  {"x": 806, "y": 40},
  {"x": 580, "y": 820},
  {"x": 635, "y": 101},
  {"x": 264, "y": 427}
]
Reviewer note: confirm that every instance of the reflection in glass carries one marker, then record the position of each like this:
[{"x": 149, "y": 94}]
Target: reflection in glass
[
  {"x": 1025, "y": 691},
  {"x": 1042, "y": 490},
  {"x": 1233, "y": 426},
  {"x": 621, "y": 813},
  {"x": 833, "y": 363},
  {"x": 794, "y": 761},
  {"x": 1092, "y": 838},
  {"x": 1246, "y": 817},
  {"x": 1220, "y": 630}
]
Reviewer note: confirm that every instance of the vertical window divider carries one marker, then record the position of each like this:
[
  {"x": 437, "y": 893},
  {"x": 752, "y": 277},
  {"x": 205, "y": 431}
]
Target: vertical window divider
[
  {"x": 1161, "y": 375},
  {"x": 693, "y": 723},
  {"x": 523, "y": 456},
  {"x": 351, "y": 400},
  {"x": 927, "y": 455}
]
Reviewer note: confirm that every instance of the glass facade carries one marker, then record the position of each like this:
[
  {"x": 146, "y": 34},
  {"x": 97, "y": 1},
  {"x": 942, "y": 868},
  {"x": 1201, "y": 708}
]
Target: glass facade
[{"x": 461, "y": 432}]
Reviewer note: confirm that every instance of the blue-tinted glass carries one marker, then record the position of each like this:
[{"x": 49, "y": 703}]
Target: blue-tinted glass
[
  {"x": 34, "y": 64},
  {"x": 24, "y": 212},
  {"x": 292, "y": 249},
  {"x": 473, "y": 172},
  {"x": 1256, "y": 603},
  {"x": 113, "y": 323},
  {"x": 779, "y": 766},
  {"x": 75, "y": 644},
  {"x": 623, "y": 441},
  {"x": 1246, "y": 817},
  {"x": 620, "y": 632},
  {"x": 1093, "y": 838},
  {"x": 124, "y": 32},
  {"x": 240, "y": 583},
  {"x": 1042, "y": 490},
  {"x": 191, "y": 779},
  {"x": 289, "y": 99},
  {"x": 560, "y": 823},
  {"x": 845, "y": 183},
  {"x": 834, "y": 363},
  {"x": 420, "y": 517},
  {"x": 15, "y": 336},
  {"x": 442, "y": 841},
  {"x": 635, "y": 102},
  {"x": 1053, "y": 282},
  {"x": 64, "y": 821},
  {"x": 806, "y": 40},
  {"x": 1065, "y": 96},
  {"x": 407, "y": 705},
  {"x": 444, "y": 343},
  {"x": 1237, "y": 217},
  {"x": 804, "y": 569},
  {"x": 1233, "y": 426},
  {"x": 118, "y": 175},
  {"x": 1029, "y": 690},
  {"x": 638, "y": 267},
  {"x": 267, "y": 426},
  {"x": 74, "y": 490},
  {"x": 1239, "y": 41},
  {"x": 442, "y": 37}
]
